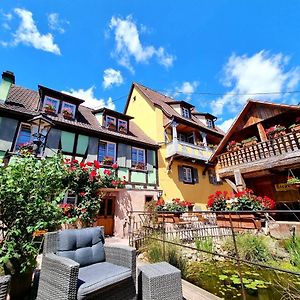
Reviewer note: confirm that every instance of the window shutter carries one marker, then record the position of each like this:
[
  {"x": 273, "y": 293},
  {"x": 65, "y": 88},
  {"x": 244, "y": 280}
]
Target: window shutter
[
  {"x": 93, "y": 149},
  {"x": 122, "y": 153},
  {"x": 180, "y": 173},
  {"x": 67, "y": 141},
  {"x": 150, "y": 160},
  {"x": 128, "y": 156},
  {"x": 7, "y": 132},
  {"x": 52, "y": 143},
  {"x": 82, "y": 144},
  {"x": 195, "y": 175}
]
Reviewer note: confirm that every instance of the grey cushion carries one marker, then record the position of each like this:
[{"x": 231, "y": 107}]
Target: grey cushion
[
  {"x": 84, "y": 246},
  {"x": 95, "y": 277}
]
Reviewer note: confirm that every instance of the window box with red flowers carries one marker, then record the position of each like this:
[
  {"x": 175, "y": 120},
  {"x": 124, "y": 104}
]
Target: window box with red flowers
[
  {"x": 67, "y": 113},
  {"x": 294, "y": 182},
  {"x": 139, "y": 166},
  {"x": 245, "y": 200},
  {"x": 108, "y": 161},
  {"x": 49, "y": 109},
  {"x": 296, "y": 126},
  {"x": 275, "y": 131},
  {"x": 111, "y": 126}
]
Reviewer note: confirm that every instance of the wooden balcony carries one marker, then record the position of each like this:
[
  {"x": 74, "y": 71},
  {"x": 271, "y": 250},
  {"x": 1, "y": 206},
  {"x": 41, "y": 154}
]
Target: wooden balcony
[
  {"x": 177, "y": 148},
  {"x": 281, "y": 152}
]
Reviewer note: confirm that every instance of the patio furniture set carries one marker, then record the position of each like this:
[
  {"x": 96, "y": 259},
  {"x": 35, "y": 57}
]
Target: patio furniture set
[{"x": 77, "y": 264}]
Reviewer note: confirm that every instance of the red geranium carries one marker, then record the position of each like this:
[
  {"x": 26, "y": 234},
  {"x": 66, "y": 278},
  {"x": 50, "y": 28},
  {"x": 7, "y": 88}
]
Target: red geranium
[
  {"x": 96, "y": 164},
  {"x": 107, "y": 172},
  {"x": 92, "y": 175},
  {"x": 115, "y": 166},
  {"x": 89, "y": 163}
]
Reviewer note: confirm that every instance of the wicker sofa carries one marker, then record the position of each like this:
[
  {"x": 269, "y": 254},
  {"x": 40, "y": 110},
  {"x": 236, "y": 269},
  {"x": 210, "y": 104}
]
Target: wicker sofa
[{"x": 77, "y": 265}]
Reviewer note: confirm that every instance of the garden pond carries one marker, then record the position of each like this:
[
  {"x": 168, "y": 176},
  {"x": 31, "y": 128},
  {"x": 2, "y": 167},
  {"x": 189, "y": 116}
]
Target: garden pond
[{"x": 222, "y": 279}]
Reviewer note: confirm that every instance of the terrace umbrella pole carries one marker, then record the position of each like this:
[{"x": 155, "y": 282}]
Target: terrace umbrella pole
[{"x": 238, "y": 258}]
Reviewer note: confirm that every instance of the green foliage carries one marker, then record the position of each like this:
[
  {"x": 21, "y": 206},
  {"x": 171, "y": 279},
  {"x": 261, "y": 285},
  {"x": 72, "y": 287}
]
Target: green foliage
[
  {"x": 204, "y": 244},
  {"x": 250, "y": 247},
  {"x": 30, "y": 190},
  {"x": 154, "y": 251},
  {"x": 292, "y": 245}
]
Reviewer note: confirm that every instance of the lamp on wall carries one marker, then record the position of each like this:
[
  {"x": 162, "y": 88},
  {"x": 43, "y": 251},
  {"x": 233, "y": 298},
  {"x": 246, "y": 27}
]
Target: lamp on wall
[
  {"x": 160, "y": 193},
  {"x": 40, "y": 127}
]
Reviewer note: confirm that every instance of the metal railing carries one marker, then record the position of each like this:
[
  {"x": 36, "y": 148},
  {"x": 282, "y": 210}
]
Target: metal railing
[{"x": 170, "y": 229}]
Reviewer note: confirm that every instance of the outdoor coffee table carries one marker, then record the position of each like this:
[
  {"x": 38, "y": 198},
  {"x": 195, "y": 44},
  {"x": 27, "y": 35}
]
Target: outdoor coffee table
[{"x": 159, "y": 281}]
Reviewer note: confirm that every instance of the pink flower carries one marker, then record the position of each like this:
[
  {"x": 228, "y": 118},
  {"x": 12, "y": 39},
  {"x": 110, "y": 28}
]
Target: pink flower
[{"x": 115, "y": 166}]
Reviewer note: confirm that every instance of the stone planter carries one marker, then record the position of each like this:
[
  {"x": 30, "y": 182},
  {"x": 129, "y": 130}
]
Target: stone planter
[{"x": 239, "y": 221}]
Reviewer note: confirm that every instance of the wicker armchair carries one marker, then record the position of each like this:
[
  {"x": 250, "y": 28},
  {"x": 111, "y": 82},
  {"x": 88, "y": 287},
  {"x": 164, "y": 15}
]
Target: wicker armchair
[
  {"x": 77, "y": 265},
  {"x": 4, "y": 286}
]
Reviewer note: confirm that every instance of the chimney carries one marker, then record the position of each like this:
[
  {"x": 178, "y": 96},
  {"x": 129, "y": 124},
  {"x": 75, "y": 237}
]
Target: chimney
[{"x": 8, "y": 78}]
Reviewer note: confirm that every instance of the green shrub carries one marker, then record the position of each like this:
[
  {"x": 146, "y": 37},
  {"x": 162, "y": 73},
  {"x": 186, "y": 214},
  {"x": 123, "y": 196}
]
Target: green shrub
[
  {"x": 292, "y": 245},
  {"x": 250, "y": 247},
  {"x": 204, "y": 244}
]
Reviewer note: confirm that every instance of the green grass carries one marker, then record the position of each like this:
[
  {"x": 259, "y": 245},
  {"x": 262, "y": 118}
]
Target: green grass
[
  {"x": 204, "y": 244},
  {"x": 292, "y": 245}
]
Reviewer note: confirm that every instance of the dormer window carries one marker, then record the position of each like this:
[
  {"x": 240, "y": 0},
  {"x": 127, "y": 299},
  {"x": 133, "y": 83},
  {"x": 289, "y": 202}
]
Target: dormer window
[
  {"x": 210, "y": 123},
  {"x": 186, "y": 112},
  {"x": 50, "y": 105},
  {"x": 68, "y": 110},
  {"x": 122, "y": 126},
  {"x": 111, "y": 123}
]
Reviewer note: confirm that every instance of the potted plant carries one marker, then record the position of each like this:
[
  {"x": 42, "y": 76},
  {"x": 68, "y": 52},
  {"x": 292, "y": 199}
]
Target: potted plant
[
  {"x": 123, "y": 129},
  {"x": 296, "y": 126},
  {"x": 67, "y": 113},
  {"x": 110, "y": 125},
  {"x": 212, "y": 147},
  {"x": 108, "y": 161},
  {"x": 49, "y": 109},
  {"x": 250, "y": 141},
  {"x": 25, "y": 149},
  {"x": 245, "y": 200},
  {"x": 140, "y": 166},
  {"x": 233, "y": 146},
  {"x": 275, "y": 131},
  {"x": 30, "y": 192},
  {"x": 294, "y": 181}
]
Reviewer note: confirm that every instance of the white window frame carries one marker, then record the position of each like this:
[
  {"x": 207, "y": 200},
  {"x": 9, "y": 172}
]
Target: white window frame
[
  {"x": 71, "y": 104},
  {"x": 52, "y": 99},
  {"x": 120, "y": 121},
  {"x": 107, "y": 142},
  {"x": 19, "y": 130},
  {"x": 144, "y": 161},
  {"x": 66, "y": 197},
  {"x": 187, "y": 174},
  {"x": 115, "y": 121},
  {"x": 209, "y": 123},
  {"x": 186, "y": 112}
]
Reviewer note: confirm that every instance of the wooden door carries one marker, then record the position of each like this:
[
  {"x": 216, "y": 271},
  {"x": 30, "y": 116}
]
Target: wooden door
[{"x": 106, "y": 215}]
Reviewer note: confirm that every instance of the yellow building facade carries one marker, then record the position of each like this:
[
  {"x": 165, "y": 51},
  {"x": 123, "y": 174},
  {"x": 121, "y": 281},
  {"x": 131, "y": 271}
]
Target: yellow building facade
[{"x": 186, "y": 144}]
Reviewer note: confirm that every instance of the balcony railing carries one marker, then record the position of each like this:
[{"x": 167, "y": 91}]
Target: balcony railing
[
  {"x": 279, "y": 148},
  {"x": 188, "y": 150}
]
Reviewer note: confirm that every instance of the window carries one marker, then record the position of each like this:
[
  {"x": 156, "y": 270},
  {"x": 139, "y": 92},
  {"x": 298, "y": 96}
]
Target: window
[
  {"x": 187, "y": 174},
  {"x": 122, "y": 126},
  {"x": 24, "y": 136},
  {"x": 186, "y": 138},
  {"x": 70, "y": 198},
  {"x": 110, "y": 122},
  {"x": 51, "y": 105},
  {"x": 68, "y": 110},
  {"x": 138, "y": 158},
  {"x": 209, "y": 123},
  {"x": 185, "y": 112},
  {"x": 107, "y": 153},
  {"x": 213, "y": 178}
]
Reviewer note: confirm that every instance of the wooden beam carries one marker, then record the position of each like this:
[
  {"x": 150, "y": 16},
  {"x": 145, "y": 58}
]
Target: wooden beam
[{"x": 261, "y": 132}]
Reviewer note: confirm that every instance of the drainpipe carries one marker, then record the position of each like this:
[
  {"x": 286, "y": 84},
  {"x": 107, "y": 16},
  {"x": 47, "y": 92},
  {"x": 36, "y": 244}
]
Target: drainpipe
[{"x": 8, "y": 78}]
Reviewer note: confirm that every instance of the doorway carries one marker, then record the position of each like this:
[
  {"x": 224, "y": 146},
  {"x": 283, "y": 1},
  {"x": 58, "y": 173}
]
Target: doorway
[{"x": 107, "y": 214}]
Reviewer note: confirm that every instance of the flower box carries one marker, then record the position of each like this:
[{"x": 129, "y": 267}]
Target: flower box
[
  {"x": 107, "y": 161},
  {"x": 250, "y": 141},
  {"x": 139, "y": 166},
  {"x": 295, "y": 127},
  {"x": 67, "y": 114},
  {"x": 276, "y": 131},
  {"x": 239, "y": 221},
  {"x": 50, "y": 110},
  {"x": 233, "y": 146},
  {"x": 111, "y": 126},
  {"x": 123, "y": 129}
]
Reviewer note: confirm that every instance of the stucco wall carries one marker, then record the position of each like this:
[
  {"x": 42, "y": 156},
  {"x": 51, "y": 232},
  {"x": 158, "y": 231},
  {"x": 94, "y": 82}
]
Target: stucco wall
[{"x": 127, "y": 201}]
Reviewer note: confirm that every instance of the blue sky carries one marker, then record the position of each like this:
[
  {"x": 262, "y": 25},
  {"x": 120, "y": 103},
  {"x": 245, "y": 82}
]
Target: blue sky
[{"x": 96, "y": 49}]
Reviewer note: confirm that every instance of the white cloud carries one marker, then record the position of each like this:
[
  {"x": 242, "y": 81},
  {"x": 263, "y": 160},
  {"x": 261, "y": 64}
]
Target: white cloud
[
  {"x": 226, "y": 124},
  {"x": 112, "y": 77},
  {"x": 90, "y": 99},
  {"x": 55, "y": 23},
  {"x": 128, "y": 44},
  {"x": 186, "y": 88},
  {"x": 28, "y": 34},
  {"x": 260, "y": 73}
]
